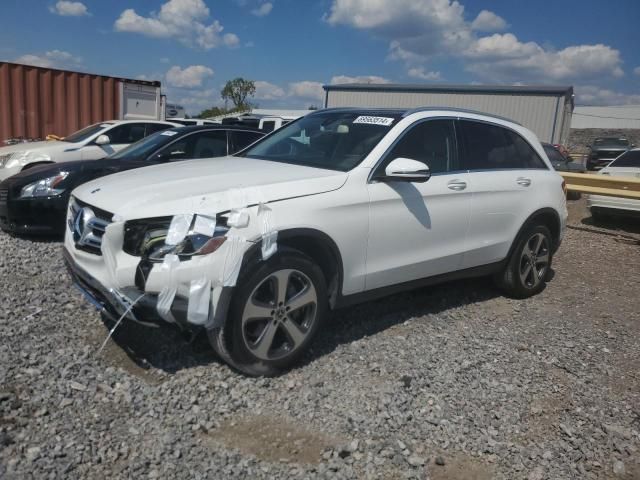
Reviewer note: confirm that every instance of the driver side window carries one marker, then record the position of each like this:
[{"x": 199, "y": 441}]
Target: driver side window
[{"x": 431, "y": 142}]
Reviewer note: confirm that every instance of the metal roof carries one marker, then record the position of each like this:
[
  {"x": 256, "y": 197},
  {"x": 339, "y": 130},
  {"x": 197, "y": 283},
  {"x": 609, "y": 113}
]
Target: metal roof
[
  {"x": 153, "y": 83},
  {"x": 419, "y": 87}
]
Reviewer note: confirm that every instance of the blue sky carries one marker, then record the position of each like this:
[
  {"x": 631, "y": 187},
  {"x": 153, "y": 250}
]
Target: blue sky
[{"x": 292, "y": 47}]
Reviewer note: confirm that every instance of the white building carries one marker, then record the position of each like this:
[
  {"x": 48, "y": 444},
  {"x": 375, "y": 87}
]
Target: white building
[{"x": 622, "y": 116}]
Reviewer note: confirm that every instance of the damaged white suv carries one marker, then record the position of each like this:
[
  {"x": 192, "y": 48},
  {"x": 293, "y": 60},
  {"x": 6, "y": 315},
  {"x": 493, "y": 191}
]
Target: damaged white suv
[{"x": 340, "y": 206}]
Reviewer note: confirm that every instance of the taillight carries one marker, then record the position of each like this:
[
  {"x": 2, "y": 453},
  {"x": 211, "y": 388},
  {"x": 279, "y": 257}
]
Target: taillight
[{"x": 564, "y": 186}]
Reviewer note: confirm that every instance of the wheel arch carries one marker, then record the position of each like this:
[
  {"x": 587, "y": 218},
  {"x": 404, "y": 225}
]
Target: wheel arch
[
  {"x": 35, "y": 164},
  {"x": 548, "y": 217},
  {"x": 319, "y": 246}
]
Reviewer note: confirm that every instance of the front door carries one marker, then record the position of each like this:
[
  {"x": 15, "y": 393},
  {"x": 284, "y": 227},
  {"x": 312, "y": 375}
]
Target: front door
[{"x": 418, "y": 230}]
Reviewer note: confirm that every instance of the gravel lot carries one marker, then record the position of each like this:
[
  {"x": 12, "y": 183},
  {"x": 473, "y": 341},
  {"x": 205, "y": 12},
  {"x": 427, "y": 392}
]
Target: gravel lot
[{"x": 448, "y": 382}]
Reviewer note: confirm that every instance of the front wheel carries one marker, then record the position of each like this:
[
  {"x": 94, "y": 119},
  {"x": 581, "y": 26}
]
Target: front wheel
[
  {"x": 526, "y": 272},
  {"x": 276, "y": 311}
]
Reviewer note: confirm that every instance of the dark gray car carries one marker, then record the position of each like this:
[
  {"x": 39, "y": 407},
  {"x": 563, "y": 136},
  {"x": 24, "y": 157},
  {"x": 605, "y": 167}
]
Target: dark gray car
[{"x": 604, "y": 150}]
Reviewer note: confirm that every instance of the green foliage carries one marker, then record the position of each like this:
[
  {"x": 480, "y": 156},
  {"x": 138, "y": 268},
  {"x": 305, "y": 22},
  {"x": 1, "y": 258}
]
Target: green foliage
[{"x": 237, "y": 90}]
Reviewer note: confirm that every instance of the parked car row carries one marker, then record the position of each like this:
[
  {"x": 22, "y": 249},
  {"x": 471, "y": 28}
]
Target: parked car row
[
  {"x": 337, "y": 207},
  {"x": 35, "y": 200}
]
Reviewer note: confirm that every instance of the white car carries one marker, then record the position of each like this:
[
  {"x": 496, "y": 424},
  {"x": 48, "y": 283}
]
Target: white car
[
  {"x": 340, "y": 206},
  {"x": 91, "y": 143},
  {"x": 189, "y": 122},
  {"x": 626, "y": 165}
]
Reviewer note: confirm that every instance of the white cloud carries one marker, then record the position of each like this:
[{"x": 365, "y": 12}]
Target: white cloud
[
  {"x": 268, "y": 91},
  {"x": 263, "y": 10},
  {"x": 592, "y": 95},
  {"x": 69, "y": 9},
  {"x": 164, "y": 60},
  {"x": 184, "y": 20},
  {"x": 502, "y": 46},
  {"x": 487, "y": 21},
  {"x": 636, "y": 71},
  {"x": 189, "y": 77},
  {"x": 507, "y": 59},
  {"x": 358, "y": 79},
  {"x": 51, "y": 59},
  {"x": 420, "y": 29},
  {"x": 306, "y": 90},
  {"x": 420, "y": 73}
]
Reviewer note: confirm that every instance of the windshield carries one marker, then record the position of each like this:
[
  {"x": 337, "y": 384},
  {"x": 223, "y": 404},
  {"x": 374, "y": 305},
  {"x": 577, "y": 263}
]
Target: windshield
[
  {"x": 611, "y": 142},
  {"x": 86, "y": 132},
  {"x": 628, "y": 159},
  {"x": 332, "y": 140},
  {"x": 142, "y": 148}
]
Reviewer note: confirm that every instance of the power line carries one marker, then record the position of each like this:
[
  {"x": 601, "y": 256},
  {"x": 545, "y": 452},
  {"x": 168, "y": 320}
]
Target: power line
[{"x": 601, "y": 116}]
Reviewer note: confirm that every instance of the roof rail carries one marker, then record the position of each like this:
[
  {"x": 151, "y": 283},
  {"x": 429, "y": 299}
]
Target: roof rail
[{"x": 463, "y": 110}]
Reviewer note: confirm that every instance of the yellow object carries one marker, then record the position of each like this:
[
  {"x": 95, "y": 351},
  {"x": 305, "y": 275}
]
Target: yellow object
[
  {"x": 610, "y": 186},
  {"x": 51, "y": 136}
]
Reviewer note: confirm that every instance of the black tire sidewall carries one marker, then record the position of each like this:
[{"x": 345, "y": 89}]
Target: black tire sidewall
[
  {"x": 511, "y": 281},
  {"x": 242, "y": 358}
]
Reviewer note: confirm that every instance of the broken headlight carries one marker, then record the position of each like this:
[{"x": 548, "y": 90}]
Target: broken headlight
[{"x": 182, "y": 235}]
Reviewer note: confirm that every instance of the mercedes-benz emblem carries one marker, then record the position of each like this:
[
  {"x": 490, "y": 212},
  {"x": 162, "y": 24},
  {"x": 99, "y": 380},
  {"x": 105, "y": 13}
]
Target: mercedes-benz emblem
[{"x": 82, "y": 228}]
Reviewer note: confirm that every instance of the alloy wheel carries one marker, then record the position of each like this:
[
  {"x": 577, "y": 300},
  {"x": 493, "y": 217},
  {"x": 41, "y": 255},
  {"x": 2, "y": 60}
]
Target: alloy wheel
[
  {"x": 279, "y": 314},
  {"x": 534, "y": 261}
]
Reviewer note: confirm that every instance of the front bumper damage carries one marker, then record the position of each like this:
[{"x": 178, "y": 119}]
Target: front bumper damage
[{"x": 190, "y": 293}]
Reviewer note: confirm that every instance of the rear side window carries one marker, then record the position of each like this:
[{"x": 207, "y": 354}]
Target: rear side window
[
  {"x": 156, "y": 127},
  {"x": 269, "y": 126},
  {"x": 628, "y": 159},
  {"x": 431, "y": 142},
  {"x": 126, "y": 133},
  {"x": 490, "y": 147},
  {"x": 240, "y": 140},
  {"x": 553, "y": 154},
  {"x": 210, "y": 144}
]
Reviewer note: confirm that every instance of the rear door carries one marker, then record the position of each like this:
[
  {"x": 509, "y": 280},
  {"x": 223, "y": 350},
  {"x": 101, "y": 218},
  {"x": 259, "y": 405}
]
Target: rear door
[
  {"x": 418, "y": 230},
  {"x": 503, "y": 173}
]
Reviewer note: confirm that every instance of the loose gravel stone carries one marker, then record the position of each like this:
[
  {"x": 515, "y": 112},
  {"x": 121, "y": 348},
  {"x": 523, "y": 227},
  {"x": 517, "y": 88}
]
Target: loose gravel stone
[{"x": 546, "y": 387}]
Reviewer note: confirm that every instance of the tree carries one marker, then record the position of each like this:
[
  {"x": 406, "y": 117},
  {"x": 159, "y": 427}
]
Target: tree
[
  {"x": 211, "y": 112},
  {"x": 237, "y": 90}
]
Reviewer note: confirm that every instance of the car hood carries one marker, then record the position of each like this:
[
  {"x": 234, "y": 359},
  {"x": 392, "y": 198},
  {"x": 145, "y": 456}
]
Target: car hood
[
  {"x": 36, "y": 146},
  {"x": 204, "y": 186},
  {"x": 40, "y": 172}
]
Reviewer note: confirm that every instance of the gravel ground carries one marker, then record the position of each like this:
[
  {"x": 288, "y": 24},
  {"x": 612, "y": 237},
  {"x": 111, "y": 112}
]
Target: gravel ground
[{"x": 448, "y": 382}]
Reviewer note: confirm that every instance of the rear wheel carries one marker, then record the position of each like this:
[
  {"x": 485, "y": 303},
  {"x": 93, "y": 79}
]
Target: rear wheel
[
  {"x": 526, "y": 272},
  {"x": 276, "y": 311}
]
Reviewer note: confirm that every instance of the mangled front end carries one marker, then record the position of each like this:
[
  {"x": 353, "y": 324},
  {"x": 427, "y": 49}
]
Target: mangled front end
[{"x": 175, "y": 268}]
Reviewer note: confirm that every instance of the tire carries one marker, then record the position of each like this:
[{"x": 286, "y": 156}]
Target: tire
[
  {"x": 528, "y": 266},
  {"x": 598, "y": 216},
  {"x": 574, "y": 195},
  {"x": 268, "y": 329}
]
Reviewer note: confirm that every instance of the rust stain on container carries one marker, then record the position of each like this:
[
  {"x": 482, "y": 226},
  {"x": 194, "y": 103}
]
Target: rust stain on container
[{"x": 37, "y": 101}]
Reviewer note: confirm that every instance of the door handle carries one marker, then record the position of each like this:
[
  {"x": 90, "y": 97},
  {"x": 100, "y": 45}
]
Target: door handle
[
  {"x": 457, "y": 185},
  {"x": 524, "y": 182}
]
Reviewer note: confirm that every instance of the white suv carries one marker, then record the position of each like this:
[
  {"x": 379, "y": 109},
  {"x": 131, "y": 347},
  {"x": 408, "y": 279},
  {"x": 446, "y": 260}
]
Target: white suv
[
  {"x": 91, "y": 143},
  {"x": 340, "y": 206}
]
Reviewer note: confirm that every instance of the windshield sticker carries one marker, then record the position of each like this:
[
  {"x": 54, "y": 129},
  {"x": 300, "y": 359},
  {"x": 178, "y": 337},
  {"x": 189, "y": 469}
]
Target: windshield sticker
[
  {"x": 168, "y": 133},
  {"x": 384, "y": 121}
]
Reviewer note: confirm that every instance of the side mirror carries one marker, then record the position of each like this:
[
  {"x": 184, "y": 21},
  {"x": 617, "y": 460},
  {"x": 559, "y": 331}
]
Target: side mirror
[
  {"x": 406, "y": 170},
  {"x": 103, "y": 140}
]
